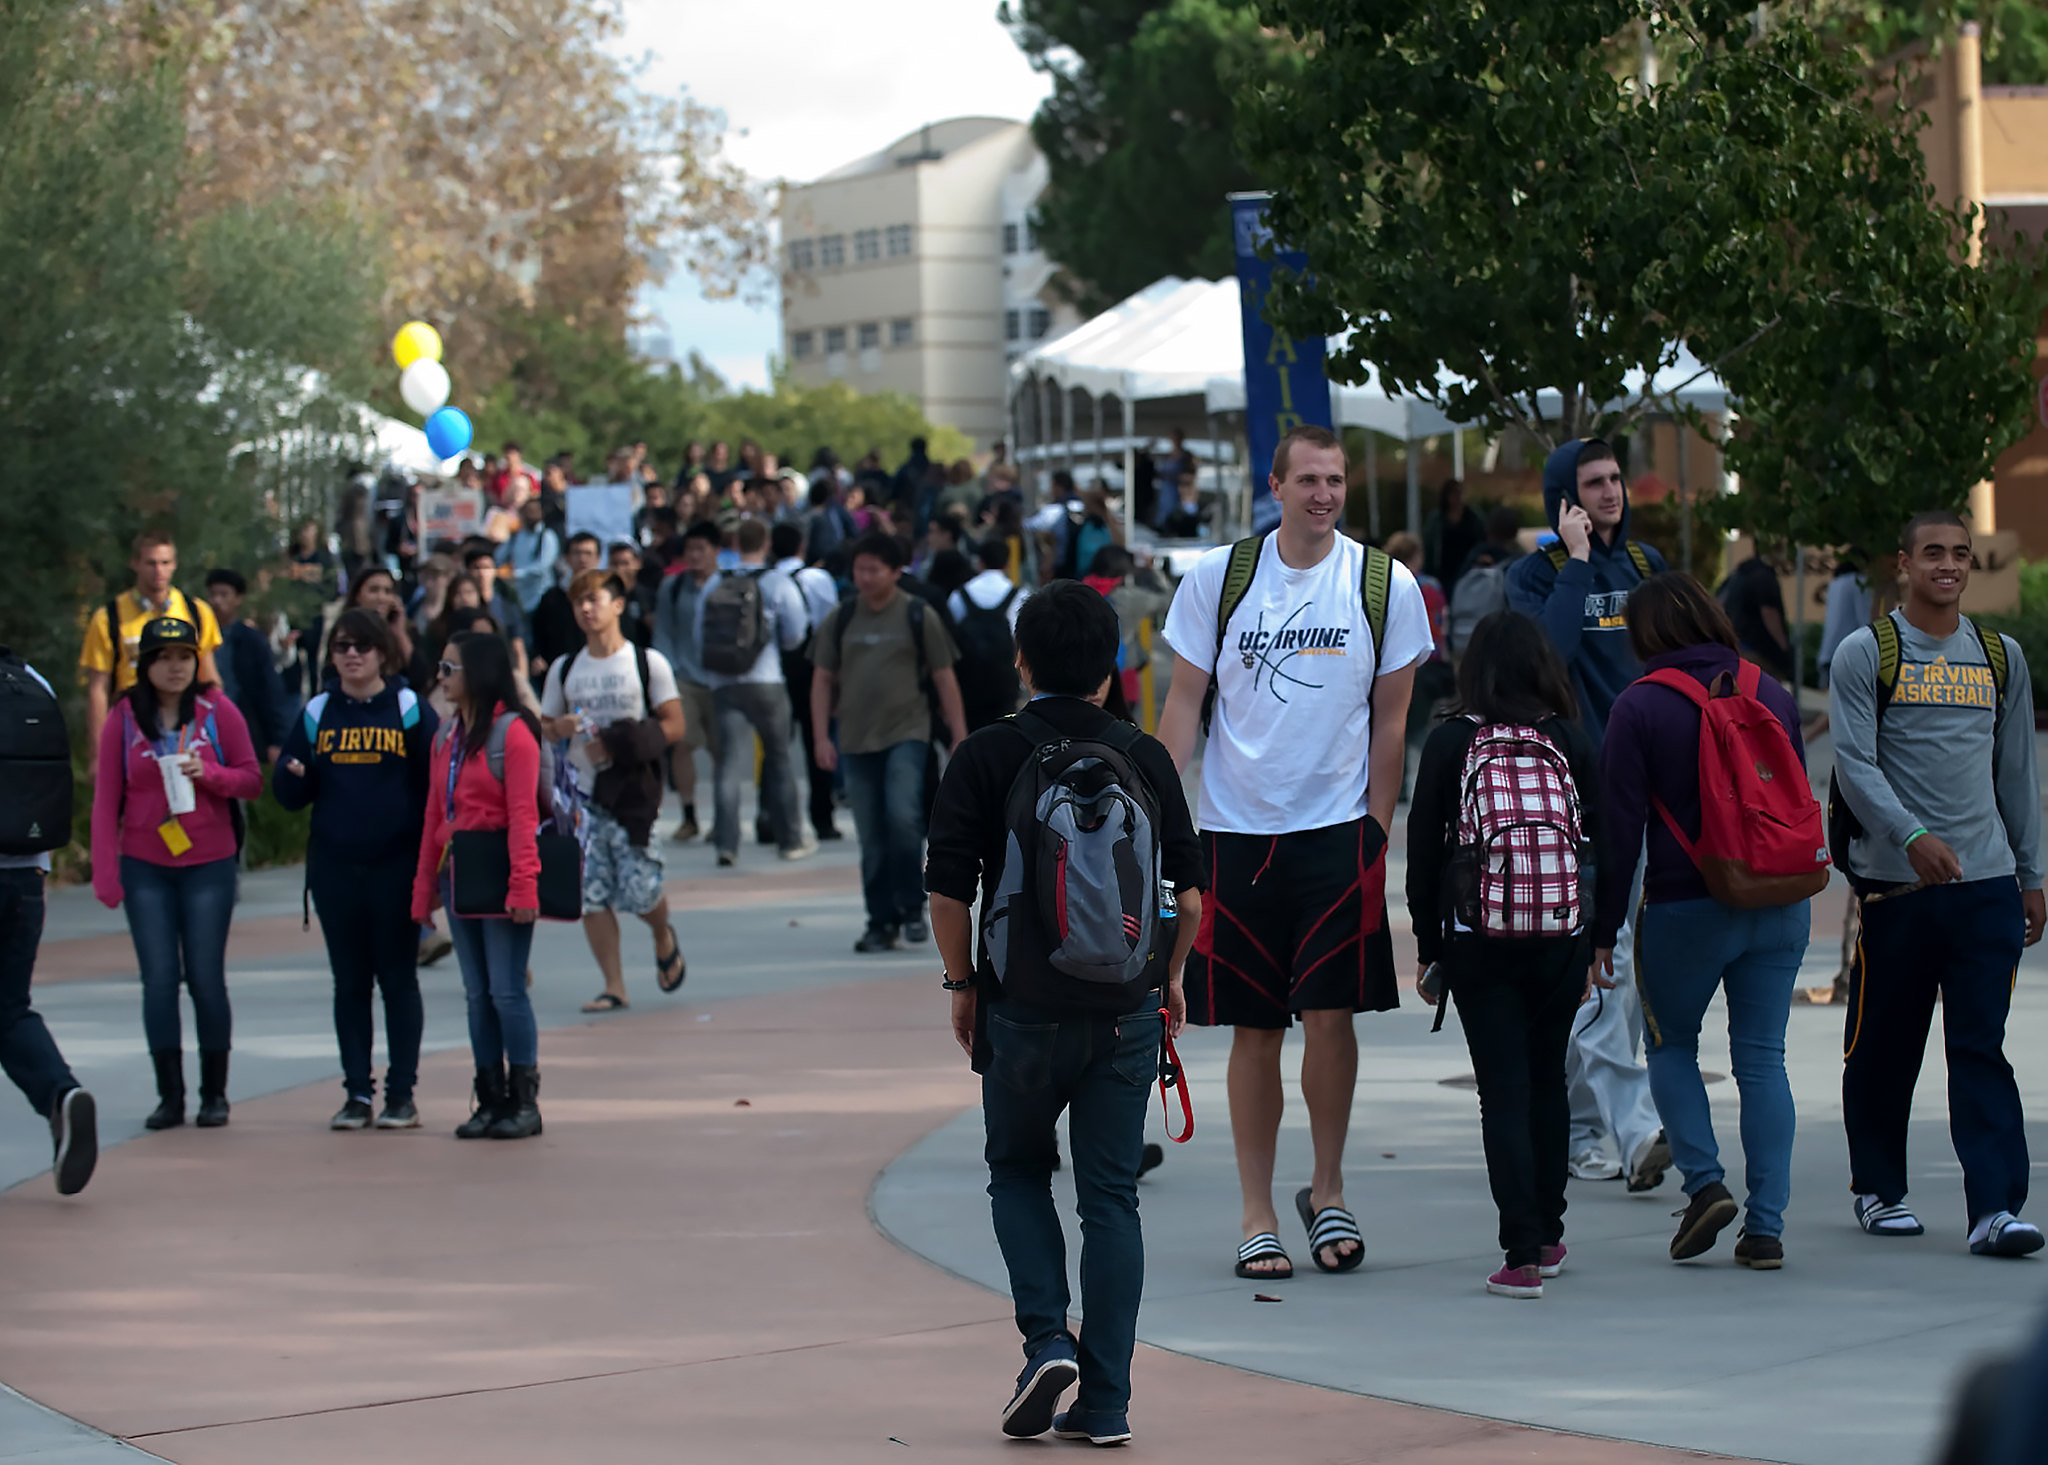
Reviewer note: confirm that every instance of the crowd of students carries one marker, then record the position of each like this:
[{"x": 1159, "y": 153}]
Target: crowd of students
[{"x": 1610, "y": 823}]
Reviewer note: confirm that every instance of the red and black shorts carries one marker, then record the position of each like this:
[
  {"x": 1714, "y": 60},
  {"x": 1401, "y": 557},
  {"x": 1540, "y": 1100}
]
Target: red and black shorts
[{"x": 1292, "y": 923}]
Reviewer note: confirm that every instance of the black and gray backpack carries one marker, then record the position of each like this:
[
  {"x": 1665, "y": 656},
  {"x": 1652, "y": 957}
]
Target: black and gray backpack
[
  {"x": 1073, "y": 919},
  {"x": 735, "y": 624},
  {"x": 35, "y": 763}
]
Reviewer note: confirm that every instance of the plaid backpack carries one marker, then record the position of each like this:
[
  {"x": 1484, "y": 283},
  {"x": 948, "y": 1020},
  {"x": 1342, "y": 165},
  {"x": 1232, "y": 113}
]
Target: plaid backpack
[{"x": 1522, "y": 867}]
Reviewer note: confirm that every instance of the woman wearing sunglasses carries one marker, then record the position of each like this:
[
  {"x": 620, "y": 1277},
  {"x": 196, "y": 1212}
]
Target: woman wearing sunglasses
[
  {"x": 360, "y": 755},
  {"x": 466, "y": 793}
]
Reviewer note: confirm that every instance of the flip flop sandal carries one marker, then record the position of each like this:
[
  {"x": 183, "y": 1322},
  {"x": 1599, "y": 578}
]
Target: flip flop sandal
[
  {"x": 606, "y": 1002},
  {"x": 668, "y": 970},
  {"x": 1263, "y": 1247},
  {"x": 1328, "y": 1228}
]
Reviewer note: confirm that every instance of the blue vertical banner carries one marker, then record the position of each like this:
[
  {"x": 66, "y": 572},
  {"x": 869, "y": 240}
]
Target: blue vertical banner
[{"x": 1284, "y": 384}]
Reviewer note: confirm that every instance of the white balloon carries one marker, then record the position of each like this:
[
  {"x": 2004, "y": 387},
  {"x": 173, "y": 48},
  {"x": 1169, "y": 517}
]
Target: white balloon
[{"x": 424, "y": 385}]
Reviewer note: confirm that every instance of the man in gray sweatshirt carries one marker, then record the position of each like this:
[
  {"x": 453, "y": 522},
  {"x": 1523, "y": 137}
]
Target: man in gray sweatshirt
[{"x": 1933, "y": 722}]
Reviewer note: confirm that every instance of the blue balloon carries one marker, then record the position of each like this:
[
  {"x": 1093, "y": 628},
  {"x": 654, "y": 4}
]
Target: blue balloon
[{"x": 448, "y": 432}]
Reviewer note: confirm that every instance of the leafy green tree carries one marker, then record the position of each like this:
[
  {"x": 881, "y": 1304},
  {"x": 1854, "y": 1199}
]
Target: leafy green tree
[
  {"x": 1481, "y": 187},
  {"x": 1138, "y": 133},
  {"x": 2015, "y": 31},
  {"x": 151, "y": 361}
]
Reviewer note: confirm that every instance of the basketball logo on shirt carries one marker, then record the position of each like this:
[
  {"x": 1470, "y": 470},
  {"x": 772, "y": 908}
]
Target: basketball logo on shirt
[
  {"x": 1272, "y": 651},
  {"x": 1938, "y": 684}
]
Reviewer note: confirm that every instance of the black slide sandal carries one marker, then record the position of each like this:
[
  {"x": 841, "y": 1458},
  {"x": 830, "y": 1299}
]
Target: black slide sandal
[
  {"x": 668, "y": 971},
  {"x": 1330, "y": 1227},
  {"x": 1262, "y": 1247}
]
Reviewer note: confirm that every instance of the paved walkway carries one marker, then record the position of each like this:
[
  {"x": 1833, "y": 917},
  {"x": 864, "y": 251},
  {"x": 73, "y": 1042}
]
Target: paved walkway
[{"x": 685, "y": 1256}]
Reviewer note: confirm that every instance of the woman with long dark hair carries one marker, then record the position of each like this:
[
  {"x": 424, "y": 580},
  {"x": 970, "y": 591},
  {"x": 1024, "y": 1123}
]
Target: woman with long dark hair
[
  {"x": 465, "y": 793},
  {"x": 173, "y": 758},
  {"x": 360, "y": 756},
  {"x": 1505, "y": 821},
  {"x": 1688, "y": 944},
  {"x": 375, "y": 589}
]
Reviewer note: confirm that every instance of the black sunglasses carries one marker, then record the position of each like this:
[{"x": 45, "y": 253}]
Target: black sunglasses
[{"x": 343, "y": 648}]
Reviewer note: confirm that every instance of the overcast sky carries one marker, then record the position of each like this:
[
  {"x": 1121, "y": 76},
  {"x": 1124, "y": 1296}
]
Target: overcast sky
[{"x": 807, "y": 85}]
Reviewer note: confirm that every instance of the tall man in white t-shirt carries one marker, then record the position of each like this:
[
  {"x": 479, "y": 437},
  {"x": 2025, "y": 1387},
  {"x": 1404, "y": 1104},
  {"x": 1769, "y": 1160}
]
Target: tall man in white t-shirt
[
  {"x": 617, "y": 705},
  {"x": 1299, "y": 782}
]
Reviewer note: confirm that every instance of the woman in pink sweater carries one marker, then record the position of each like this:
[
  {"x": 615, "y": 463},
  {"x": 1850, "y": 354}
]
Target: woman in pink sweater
[
  {"x": 175, "y": 871},
  {"x": 465, "y": 793}
]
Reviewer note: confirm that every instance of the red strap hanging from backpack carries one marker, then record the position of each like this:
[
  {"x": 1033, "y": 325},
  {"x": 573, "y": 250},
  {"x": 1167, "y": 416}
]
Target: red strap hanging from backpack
[{"x": 1171, "y": 1077}]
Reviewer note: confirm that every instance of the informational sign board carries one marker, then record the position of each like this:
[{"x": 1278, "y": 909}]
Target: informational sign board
[
  {"x": 1284, "y": 384},
  {"x": 450, "y": 513},
  {"x": 603, "y": 509}
]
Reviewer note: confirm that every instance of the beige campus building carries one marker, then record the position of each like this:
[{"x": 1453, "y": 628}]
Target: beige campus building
[{"x": 915, "y": 270}]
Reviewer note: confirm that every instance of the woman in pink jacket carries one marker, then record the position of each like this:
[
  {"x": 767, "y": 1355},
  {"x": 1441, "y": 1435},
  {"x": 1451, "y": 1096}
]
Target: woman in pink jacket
[
  {"x": 174, "y": 868},
  {"x": 465, "y": 793}
]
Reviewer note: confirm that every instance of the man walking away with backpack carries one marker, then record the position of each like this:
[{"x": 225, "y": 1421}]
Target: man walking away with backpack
[
  {"x": 748, "y": 619},
  {"x": 1701, "y": 741},
  {"x": 1939, "y": 808},
  {"x": 1503, "y": 840},
  {"x": 984, "y": 613},
  {"x": 1066, "y": 1016},
  {"x": 1312, "y": 641},
  {"x": 883, "y": 654},
  {"x": 1577, "y": 589},
  {"x": 675, "y": 637},
  {"x": 35, "y": 818},
  {"x": 1482, "y": 585},
  {"x": 616, "y": 705}
]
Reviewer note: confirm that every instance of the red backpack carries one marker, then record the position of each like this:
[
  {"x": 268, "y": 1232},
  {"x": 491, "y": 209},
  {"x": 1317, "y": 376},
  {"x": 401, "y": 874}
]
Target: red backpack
[{"x": 1763, "y": 840}]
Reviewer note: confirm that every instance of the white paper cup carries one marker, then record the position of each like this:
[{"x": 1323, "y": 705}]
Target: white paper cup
[{"x": 178, "y": 789}]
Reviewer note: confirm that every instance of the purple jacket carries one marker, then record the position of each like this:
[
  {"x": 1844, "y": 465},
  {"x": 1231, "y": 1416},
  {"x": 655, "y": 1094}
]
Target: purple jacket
[{"x": 1653, "y": 751}]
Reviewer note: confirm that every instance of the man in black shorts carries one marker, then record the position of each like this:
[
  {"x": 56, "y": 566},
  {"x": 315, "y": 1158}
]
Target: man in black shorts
[{"x": 1313, "y": 663}]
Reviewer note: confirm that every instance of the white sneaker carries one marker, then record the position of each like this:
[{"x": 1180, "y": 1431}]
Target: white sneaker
[
  {"x": 1595, "y": 1165},
  {"x": 1647, "y": 1165},
  {"x": 803, "y": 851},
  {"x": 1880, "y": 1219}
]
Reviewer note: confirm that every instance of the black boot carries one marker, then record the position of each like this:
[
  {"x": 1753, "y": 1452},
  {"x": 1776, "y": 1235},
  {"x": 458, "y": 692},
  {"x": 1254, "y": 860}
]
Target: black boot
[
  {"x": 487, "y": 1106},
  {"x": 213, "y": 1090},
  {"x": 522, "y": 1109},
  {"x": 170, "y": 1090}
]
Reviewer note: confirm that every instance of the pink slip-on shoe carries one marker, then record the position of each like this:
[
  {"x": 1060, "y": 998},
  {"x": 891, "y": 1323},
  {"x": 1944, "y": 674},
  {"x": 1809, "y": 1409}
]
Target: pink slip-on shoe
[
  {"x": 1553, "y": 1260},
  {"x": 1516, "y": 1282}
]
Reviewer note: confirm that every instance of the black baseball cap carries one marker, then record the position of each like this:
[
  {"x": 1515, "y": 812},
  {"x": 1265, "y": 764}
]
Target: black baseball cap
[{"x": 167, "y": 631}]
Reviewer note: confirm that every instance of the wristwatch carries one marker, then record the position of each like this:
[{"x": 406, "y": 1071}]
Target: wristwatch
[{"x": 952, "y": 986}]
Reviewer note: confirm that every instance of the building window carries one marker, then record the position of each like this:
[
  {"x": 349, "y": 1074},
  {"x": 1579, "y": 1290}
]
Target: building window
[
  {"x": 832, "y": 251},
  {"x": 1041, "y": 323},
  {"x": 1030, "y": 236},
  {"x": 867, "y": 245},
  {"x": 899, "y": 240},
  {"x": 835, "y": 340},
  {"x": 1009, "y": 239},
  {"x": 1013, "y": 328},
  {"x": 900, "y": 332},
  {"x": 870, "y": 336},
  {"x": 800, "y": 343},
  {"x": 800, "y": 254}
]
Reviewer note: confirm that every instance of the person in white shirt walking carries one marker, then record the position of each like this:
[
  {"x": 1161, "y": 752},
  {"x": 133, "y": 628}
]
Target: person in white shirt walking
[
  {"x": 821, "y": 599},
  {"x": 1311, "y": 641}
]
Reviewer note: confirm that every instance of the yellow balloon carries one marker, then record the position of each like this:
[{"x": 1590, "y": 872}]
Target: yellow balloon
[{"x": 415, "y": 341}]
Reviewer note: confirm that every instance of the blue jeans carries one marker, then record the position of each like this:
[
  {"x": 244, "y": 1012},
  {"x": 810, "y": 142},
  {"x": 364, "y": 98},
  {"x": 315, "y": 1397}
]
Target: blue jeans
[
  {"x": 27, "y": 1051},
  {"x": 1687, "y": 949},
  {"x": 886, "y": 790},
  {"x": 178, "y": 918},
  {"x": 492, "y": 953},
  {"x": 1100, "y": 1068}
]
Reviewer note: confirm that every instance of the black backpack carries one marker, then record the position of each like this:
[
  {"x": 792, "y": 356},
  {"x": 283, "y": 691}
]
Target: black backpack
[
  {"x": 735, "y": 620},
  {"x": 35, "y": 763},
  {"x": 1075, "y": 919},
  {"x": 987, "y": 665}
]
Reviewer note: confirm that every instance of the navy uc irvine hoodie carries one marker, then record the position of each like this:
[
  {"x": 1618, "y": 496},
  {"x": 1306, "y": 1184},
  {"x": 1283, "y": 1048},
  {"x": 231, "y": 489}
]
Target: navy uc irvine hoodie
[
  {"x": 1582, "y": 605},
  {"x": 367, "y": 765}
]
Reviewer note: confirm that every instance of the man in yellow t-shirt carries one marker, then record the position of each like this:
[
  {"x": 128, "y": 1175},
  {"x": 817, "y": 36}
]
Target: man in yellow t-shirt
[{"x": 110, "y": 669}]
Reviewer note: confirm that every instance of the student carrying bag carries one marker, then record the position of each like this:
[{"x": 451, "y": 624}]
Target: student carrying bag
[{"x": 480, "y": 860}]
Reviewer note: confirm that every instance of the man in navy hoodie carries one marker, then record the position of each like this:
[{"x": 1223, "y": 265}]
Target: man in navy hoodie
[{"x": 1578, "y": 590}]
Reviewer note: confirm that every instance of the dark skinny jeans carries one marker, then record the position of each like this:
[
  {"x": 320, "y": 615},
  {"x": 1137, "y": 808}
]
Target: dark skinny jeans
[
  {"x": 1101, "y": 1068},
  {"x": 366, "y": 916},
  {"x": 1516, "y": 1001},
  {"x": 27, "y": 1051}
]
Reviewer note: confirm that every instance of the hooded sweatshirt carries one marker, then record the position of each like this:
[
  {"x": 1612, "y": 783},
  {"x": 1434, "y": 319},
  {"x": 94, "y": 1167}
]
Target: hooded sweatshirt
[
  {"x": 366, "y": 773},
  {"x": 1582, "y": 605}
]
